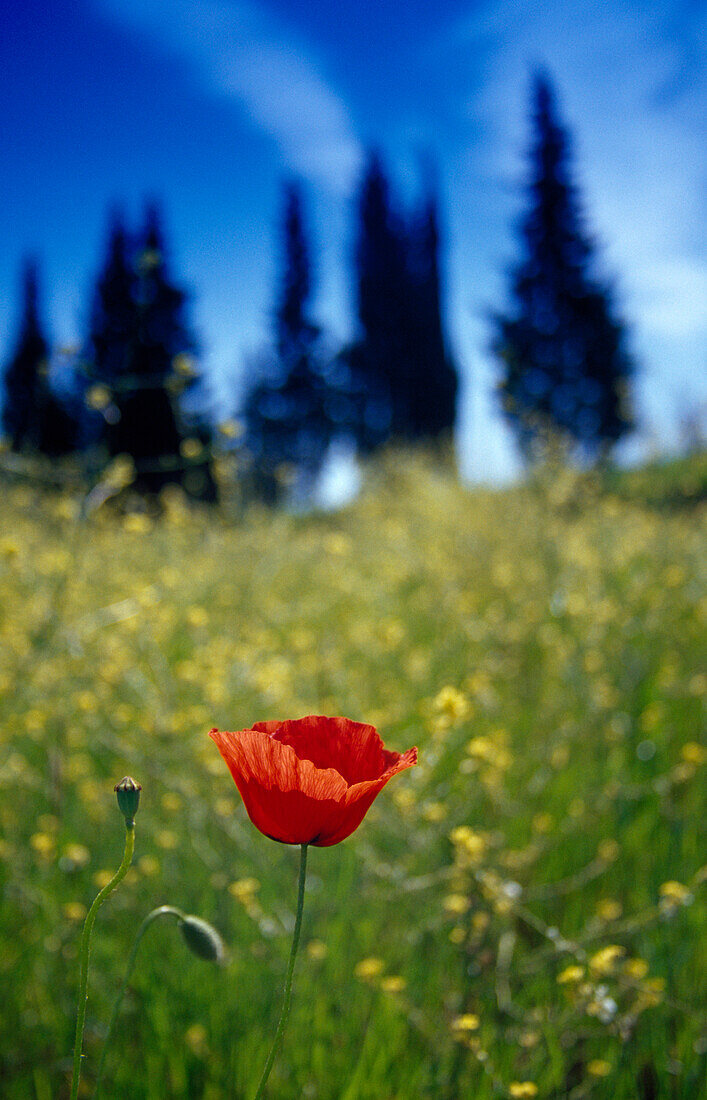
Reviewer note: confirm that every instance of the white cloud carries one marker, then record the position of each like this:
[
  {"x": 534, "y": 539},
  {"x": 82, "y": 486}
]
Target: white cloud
[
  {"x": 236, "y": 51},
  {"x": 639, "y": 155}
]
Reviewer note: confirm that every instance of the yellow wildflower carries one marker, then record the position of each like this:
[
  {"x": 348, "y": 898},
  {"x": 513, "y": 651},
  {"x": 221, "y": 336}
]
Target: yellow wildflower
[
  {"x": 522, "y": 1090},
  {"x": 167, "y": 839},
  {"x": 195, "y": 1038},
  {"x": 604, "y": 961},
  {"x": 74, "y": 910},
  {"x": 608, "y": 850},
  {"x": 368, "y": 969},
  {"x": 468, "y": 1021},
  {"x": 636, "y": 969},
  {"x": 43, "y": 844},
  {"x": 244, "y": 888},
  {"x": 672, "y": 895},
  {"x": 98, "y": 397},
  {"x": 137, "y": 523},
  {"x": 456, "y": 903},
  {"x": 608, "y": 909},
  {"x": 393, "y": 984},
  {"x": 77, "y": 854},
  {"x": 451, "y": 703},
  {"x": 570, "y": 974},
  {"x": 599, "y": 1067},
  {"x": 692, "y": 753},
  {"x": 231, "y": 429}
]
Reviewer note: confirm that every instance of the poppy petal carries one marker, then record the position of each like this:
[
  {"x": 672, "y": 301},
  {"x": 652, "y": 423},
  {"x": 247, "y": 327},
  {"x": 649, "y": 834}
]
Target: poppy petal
[
  {"x": 310, "y": 780},
  {"x": 353, "y": 748}
]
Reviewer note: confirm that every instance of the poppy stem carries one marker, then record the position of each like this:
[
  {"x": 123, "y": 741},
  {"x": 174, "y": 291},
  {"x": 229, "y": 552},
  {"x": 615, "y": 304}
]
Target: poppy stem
[
  {"x": 162, "y": 911},
  {"x": 277, "y": 1041},
  {"x": 85, "y": 951}
]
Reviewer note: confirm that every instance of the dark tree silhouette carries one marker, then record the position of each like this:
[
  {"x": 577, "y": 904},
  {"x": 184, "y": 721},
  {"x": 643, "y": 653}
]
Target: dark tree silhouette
[
  {"x": 562, "y": 349},
  {"x": 33, "y": 417},
  {"x": 288, "y": 427},
  {"x": 143, "y": 353},
  {"x": 294, "y": 332},
  {"x": 403, "y": 377},
  {"x": 433, "y": 396},
  {"x": 377, "y": 359},
  {"x": 113, "y": 331}
]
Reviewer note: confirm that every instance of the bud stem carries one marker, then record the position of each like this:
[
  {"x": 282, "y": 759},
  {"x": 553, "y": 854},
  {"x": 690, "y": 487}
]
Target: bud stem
[
  {"x": 85, "y": 952},
  {"x": 277, "y": 1041},
  {"x": 162, "y": 911}
]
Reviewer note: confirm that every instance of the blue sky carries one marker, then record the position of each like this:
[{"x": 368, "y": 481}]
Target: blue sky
[{"x": 209, "y": 104}]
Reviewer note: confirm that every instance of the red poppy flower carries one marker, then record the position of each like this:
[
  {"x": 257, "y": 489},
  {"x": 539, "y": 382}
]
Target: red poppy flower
[{"x": 310, "y": 780}]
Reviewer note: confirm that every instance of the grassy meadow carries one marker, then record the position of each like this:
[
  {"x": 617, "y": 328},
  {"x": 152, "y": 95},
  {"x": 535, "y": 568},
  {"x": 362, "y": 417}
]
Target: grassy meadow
[{"x": 521, "y": 915}]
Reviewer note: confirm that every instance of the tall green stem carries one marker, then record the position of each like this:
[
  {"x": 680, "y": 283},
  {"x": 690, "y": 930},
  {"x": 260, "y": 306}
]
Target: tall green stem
[
  {"x": 162, "y": 911},
  {"x": 85, "y": 951},
  {"x": 277, "y": 1041}
]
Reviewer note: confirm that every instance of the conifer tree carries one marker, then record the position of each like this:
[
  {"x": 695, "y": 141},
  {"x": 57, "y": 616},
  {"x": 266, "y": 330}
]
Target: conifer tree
[
  {"x": 33, "y": 418},
  {"x": 561, "y": 347},
  {"x": 378, "y": 358},
  {"x": 146, "y": 427},
  {"x": 295, "y": 333},
  {"x": 287, "y": 422},
  {"x": 143, "y": 352},
  {"x": 406, "y": 379},
  {"x": 114, "y": 316},
  {"x": 434, "y": 393}
]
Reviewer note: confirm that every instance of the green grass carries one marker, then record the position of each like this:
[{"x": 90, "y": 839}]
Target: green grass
[{"x": 543, "y": 646}]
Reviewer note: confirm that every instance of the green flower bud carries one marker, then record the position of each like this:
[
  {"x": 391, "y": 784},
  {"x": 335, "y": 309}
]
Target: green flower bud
[
  {"x": 202, "y": 938},
  {"x": 128, "y": 792}
]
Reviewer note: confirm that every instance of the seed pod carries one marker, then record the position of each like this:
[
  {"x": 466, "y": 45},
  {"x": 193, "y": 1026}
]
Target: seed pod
[{"x": 128, "y": 792}]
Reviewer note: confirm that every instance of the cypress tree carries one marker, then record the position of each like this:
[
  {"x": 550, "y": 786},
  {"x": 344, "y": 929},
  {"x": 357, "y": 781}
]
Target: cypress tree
[
  {"x": 146, "y": 427},
  {"x": 434, "y": 393},
  {"x": 407, "y": 384},
  {"x": 113, "y": 330},
  {"x": 378, "y": 358},
  {"x": 295, "y": 334},
  {"x": 34, "y": 420},
  {"x": 287, "y": 423},
  {"x": 561, "y": 347},
  {"x": 143, "y": 352}
]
